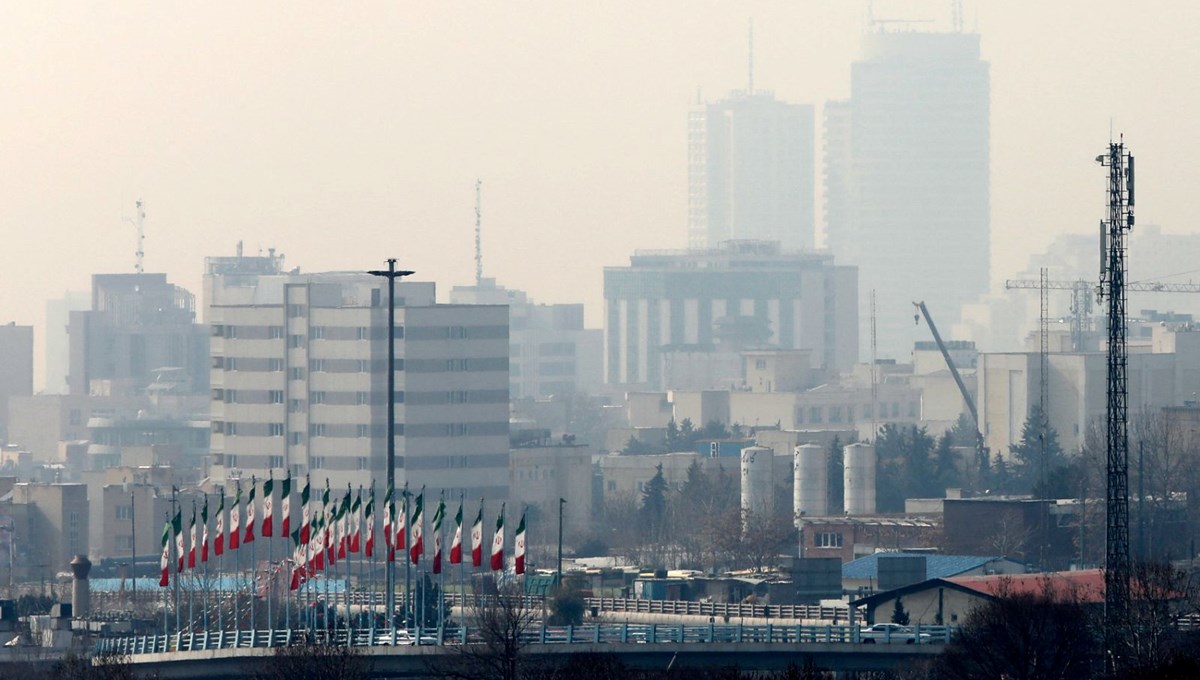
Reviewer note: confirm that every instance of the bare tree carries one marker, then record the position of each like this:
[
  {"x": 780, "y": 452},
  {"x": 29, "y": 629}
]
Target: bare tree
[
  {"x": 315, "y": 661},
  {"x": 498, "y": 628},
  {"x": 1046, "y": 635},
  {"x": 764, "y": 537}
]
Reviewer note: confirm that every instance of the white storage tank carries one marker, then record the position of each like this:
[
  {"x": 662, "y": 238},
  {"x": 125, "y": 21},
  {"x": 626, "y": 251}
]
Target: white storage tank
[
  {"x": 859, "y": 478},
  {"x": 810, "y": 492},
  {"x": 758, "y": 479}
]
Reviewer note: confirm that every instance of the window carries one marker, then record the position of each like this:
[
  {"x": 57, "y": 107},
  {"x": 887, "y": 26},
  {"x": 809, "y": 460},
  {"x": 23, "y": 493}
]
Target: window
[
  {"x": 275, "y": 461},
  {"x": 814, "y": 414},
  {"x": 362, "y": 462},
  {"x": 274, "y": 364},
  {"x": 231, "y": 460},
  {"x": 828, "y": 539},
  {"x": 295, "y": 341},
  {"x": 276, "y": 396},
  {"x": 835, "y": 414},
  {"x": 276, "y": 429},
  {"x": 364, "y": 431},
  {"x": 760, "y": 364},
  {"x": 295, "y": 438},
  {"x": 316, "y": 332},
  {"x": 124, "y": 512},
  {"x": 868, "y": 411},
  {"x": 275, "y": 332},
  {"x": 895, "y": 409},
  {"x": 364, "y": 333},
  {"x": 318, "y": 397},
  {"x": 231, "y": 332},
  {"x": 364, "y": 365},
  {"x": 295, "y": 311},
  {"x": 295, "y": 406},
  {"x": 317, "y": 462},
  {"x": 230, "y": 396},
  {"x": 364, "y": 398},
  {"x": 296, "y": 373},
  {"x": 218, "y": 330},
  {"x": 316, "y": 365},
  {"x": 231, "y": 428},
  {"x": 317, "y": 430}
]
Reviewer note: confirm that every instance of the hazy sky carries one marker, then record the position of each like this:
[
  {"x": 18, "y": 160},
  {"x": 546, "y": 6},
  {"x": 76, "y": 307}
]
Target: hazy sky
[{"x": 343, "y": 133}]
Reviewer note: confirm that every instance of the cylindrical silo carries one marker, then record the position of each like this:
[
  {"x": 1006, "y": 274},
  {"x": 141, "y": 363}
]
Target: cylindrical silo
[
  {"x": 810, "y": 493},
  {"x": 758, "y": 479},
  {"x": 859, "y": 478}
]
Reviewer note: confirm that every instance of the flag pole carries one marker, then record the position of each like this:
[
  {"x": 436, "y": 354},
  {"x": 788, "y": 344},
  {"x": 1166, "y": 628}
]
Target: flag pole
[
  {"x": 253, "y": 562},
  {"x": 204, "y": 553},
  {"x": 166, "y": 629},
  {"x": 407, "y": 562}
]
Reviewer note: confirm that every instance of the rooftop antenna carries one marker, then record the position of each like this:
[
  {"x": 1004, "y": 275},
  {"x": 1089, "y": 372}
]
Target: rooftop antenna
[
  {"x": 956, "y": 15},
  {"x": 750, "y": 59},
  {"x": 140, "y": 223},
  {"x": 478, "y": 232}
]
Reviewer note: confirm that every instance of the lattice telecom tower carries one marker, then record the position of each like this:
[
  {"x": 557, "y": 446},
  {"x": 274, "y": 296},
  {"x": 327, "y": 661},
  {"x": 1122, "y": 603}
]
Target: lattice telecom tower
[{"x": 1113, "y": 232}]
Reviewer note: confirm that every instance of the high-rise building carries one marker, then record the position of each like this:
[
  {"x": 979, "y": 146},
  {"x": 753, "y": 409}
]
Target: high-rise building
[
  {"x": 16, "y": 368},
  {"x": 139, "y": 327},
  {"x": 550, "y": 352},
  {"x": 750, "y": 171},
  {"x": 907, "y": 179},
  {"x": 299, "y": 383},
  {"x": 57, "y": 341},
  {"x": 744, "y": 295}
]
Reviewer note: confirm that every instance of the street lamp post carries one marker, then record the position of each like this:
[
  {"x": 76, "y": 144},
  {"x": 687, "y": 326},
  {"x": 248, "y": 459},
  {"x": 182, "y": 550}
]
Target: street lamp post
[
  {"x": 392, "y": 274},
  {"x": 558, "y": 578}
]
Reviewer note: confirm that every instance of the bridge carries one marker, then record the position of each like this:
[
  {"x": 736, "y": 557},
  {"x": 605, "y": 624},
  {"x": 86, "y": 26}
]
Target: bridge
[{"x": 395, "y": 653}]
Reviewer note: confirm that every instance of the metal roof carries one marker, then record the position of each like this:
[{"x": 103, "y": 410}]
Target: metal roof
[{"x": 936, "y": 566}]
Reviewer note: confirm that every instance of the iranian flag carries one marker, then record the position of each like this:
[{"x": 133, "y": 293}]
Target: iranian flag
[
  {"x": 192, "y": 540},
  {"x": 456, "y": 544},
  {"x": 164, "y": 563},
  {"x": 268, "y": 525},
  {"x": 438, "y": 515},
  {"x": 285, "y": 506},
  {"x": 204, "y": 530},
  {"x": 356, "y": 523},
  {"x": 498, "y": 542},
  {"x": 418, "y": 530},
  {"x": 305, "y": 512},
  {"x": 316, "y": 560},
  {"x": 519, "y": 546},
  {"x": 250, "y": 512},
  {"x": 389, "y": 515},
  {"x": 327, "y": 520},
  {"x": 330, "y": 527},
  {"x": 477, "y": 538},
  {"x": 219, "y": 543},
  {"x": 235, "y": 518},
  {"x": 344, "y": 525},
  {"x": 297, "y": 560},
  {"x": 369, "y": 544},
  {"x": 177, "y": 527},
  {"x": 401, "y": 538}
]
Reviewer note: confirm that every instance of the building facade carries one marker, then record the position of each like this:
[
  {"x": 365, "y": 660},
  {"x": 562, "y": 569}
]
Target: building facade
[
  {"x": 907, "y": 179},
  {"x": 16, "y": 368},
  {"x": 743, "y": 295},
  {"x": 550, "y": 352},
  {"x": 750, "y": 171},
  {"x": 299, "y": 384}
]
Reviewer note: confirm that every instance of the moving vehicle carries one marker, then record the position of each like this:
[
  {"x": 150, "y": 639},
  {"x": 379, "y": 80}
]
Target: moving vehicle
[{"x": 893, "y": 633}]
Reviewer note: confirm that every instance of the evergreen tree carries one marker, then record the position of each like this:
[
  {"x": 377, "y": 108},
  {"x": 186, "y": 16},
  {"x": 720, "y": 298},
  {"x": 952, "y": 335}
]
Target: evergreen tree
[
  {"x": 837, "y": 491},
  {"x": 654, "y": 501},
  {"x": 674, "y": 442},
  {"x": 1038, "y": 454},
  {"x": 899, "y": 614}
]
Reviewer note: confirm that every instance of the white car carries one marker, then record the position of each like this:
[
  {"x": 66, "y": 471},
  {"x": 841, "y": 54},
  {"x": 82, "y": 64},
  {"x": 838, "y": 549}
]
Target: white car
[{"x": 894, "y": 633}]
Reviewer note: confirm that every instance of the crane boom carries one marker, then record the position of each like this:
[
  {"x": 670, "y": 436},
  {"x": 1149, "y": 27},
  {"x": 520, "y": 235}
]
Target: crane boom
[
  {"x": 1140, "y": 287},
  {"x": 962, "y": 388}
]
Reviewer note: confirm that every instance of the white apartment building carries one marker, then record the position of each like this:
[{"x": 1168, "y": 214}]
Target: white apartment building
[{"x": 299, "y": 383}]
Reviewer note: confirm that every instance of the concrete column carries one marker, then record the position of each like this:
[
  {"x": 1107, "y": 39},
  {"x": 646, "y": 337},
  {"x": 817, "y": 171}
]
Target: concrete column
[{"x": 81, "y": 589}]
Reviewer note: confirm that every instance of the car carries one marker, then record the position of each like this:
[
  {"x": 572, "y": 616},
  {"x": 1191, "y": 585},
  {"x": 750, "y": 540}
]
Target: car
[{"x": 894, "y": 633}]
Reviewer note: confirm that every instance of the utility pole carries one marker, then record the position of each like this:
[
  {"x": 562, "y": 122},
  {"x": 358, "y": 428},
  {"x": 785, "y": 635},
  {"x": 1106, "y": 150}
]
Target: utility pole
[
  {"x": 392, "y": 274},
  {"x": 558, "y": 579},
  {"x": 1113, "y": 233}
]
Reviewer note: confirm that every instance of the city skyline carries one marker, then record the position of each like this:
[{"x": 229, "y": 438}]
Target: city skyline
[{"x": 274, "y": 132}]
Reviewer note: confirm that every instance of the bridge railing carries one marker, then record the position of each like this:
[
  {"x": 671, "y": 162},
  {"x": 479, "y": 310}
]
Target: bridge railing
[
  {"x": 718, "y": 610},
  {"x": 592, "y": 633}
]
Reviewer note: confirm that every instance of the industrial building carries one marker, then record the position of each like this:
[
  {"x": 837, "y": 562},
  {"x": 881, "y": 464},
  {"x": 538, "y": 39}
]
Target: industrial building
[{"x": 709, "y": 304}]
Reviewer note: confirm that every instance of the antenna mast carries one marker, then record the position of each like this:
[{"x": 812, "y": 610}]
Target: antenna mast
[
  {"x": 874, "y": 373},
  {"x": 140, "y": 223},
  {"x": 956, "y": 15},
  {"x": 1112, "y": 288},
  {"x": 478, "y": 232},
  {"x": 750, "y": 58}
]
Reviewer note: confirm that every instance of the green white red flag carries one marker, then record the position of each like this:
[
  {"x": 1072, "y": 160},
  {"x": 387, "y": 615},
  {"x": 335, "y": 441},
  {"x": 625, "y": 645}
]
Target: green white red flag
[
  {"x": 456, "y": 544},
  {"x": 164, "y": 563},
  {"x": 519, "y": 546},
  {"x": 268, "y": 524},
  {"x": 498, "y": 542},
  {"x": 477, "y": 538},
  {"x": 438, "y": 515},
  {"x": 418, "y": 531}
]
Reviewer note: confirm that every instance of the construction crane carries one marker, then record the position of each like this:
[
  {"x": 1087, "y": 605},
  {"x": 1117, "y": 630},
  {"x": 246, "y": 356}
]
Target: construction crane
[
  {"x": 1081, "y": 298},
  {"x": 962, "y": 387}
]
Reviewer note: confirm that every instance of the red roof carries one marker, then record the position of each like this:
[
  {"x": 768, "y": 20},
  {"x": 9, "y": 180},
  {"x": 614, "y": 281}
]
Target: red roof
[{"x": 1086, "y": 584}]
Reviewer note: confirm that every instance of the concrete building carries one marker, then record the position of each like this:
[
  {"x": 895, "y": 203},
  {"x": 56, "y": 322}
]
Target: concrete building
[
  {"x": 907, "y": 178},
  {"x": 849, "y": 538},
  {"x": 138, "y": 325},
  {"x": 742, "y": 295},
  {"x": 57, "y": 528},
  {"x": 750, "y": 171},
  {"x": 16, "y": 368},
  {"x": 39, "y": 423},
  {"x": 540, "y": 473},
  {"x": 57, "y": 340},
  {"x": 550, "y": 352},
  {"x": 299, "y": 383},
  {"x": 1162, "y": 371}
]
